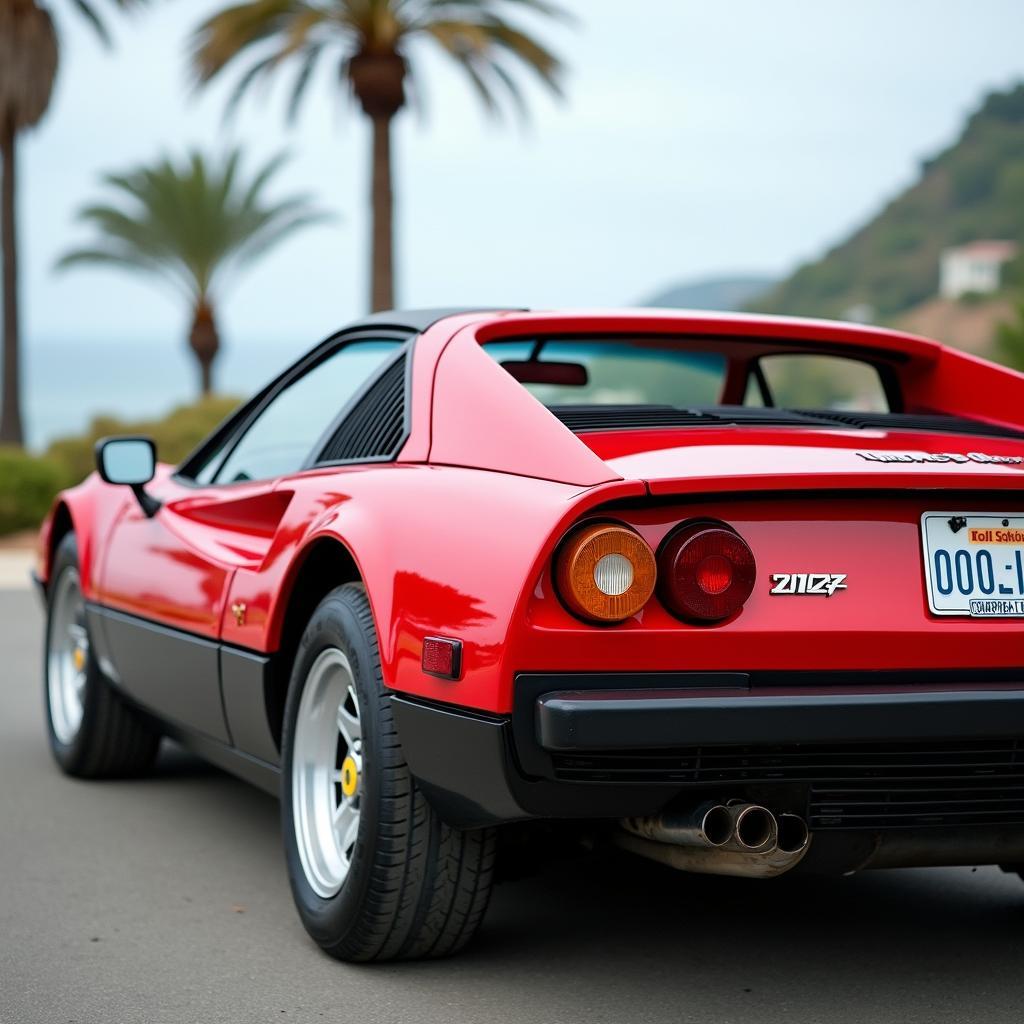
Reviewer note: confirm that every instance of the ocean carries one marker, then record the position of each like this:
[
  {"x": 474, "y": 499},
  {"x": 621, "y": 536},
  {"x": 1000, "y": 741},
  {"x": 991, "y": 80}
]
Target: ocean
[{"x": 67, "y": 383}]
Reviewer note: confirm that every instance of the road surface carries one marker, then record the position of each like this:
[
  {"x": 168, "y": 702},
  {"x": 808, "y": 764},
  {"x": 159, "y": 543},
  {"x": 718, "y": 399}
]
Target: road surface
[{"x": 165, "y": 900}]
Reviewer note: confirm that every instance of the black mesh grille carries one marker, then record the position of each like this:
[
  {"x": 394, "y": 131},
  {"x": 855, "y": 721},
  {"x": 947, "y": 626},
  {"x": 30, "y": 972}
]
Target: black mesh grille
[
  {"x": 588, "y": 418},
  {"x": 849, "y": 786},
  {"x": 375, "y": 427}
]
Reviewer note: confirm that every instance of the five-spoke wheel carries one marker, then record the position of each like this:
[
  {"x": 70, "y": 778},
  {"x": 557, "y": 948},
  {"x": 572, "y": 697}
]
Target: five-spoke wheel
[
  {"x": 327, "y": 767},
  {"x": 375, "y": 873},
  {"x": 93, "y": 731},
  {"x": 67, "y": 656}
]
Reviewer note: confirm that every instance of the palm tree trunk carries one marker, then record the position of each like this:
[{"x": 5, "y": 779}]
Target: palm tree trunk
[
  {"x": 10, "y": 402},
  {"x": 204, "y": 340},
  {"x": 382, "y": 284},
  {"x": 206, "y": 379}
]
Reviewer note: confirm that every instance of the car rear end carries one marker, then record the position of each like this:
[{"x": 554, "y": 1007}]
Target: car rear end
[
  {"x": 810, "y": 622},
  {"x": 832, "y": 691}
]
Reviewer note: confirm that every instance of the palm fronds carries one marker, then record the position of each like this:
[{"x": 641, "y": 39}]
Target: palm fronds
[
  {"x": 87, "y": 10},
  {"x": 192, "y": 225},
  {"x": 260, "y": 36}
]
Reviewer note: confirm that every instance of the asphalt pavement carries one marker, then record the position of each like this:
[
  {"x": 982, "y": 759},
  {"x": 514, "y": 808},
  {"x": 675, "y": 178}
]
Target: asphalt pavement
[{"x": 165, "y": 900}]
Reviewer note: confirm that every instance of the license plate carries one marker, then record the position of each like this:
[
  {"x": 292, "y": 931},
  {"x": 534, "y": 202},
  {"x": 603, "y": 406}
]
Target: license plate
[{"x": 974, "y": 563}]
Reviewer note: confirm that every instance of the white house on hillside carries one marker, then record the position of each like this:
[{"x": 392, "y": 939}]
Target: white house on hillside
[{"x": 974, "y": 267}]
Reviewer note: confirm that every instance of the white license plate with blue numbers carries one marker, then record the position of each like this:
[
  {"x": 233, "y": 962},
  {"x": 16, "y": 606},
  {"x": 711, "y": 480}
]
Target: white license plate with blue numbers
[{"x": 974, "y": 563}]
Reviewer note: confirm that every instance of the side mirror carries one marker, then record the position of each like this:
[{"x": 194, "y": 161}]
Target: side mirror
[{"x": 131, "y": 462}]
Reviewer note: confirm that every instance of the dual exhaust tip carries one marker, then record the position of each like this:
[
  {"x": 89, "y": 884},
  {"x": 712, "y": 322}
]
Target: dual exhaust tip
[
  {"x": 752, "y": 828},
  {"x": 735, "y": 838}
]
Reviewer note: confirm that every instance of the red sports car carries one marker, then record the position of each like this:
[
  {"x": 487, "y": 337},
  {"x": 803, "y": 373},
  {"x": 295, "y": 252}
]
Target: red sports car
[{"x": 739, "y": 594}]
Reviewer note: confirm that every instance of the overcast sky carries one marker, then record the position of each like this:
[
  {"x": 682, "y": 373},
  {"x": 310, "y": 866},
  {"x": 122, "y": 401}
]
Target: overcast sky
[{"x": 695, "y": 138}]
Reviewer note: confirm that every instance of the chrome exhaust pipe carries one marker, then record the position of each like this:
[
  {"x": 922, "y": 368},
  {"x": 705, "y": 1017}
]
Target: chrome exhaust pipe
[
  {"x": 794, "y": 836},
  {"x": 793, "y": 841},
  {"x": 754, "y": 828},
  {"x": 710, "y": 825},
  {"x": 757, "y": 844}
]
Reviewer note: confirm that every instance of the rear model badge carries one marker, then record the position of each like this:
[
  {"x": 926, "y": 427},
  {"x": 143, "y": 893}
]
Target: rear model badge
[
  {"x": 824, "y": 584},
  {"x": 996, "y": 460}
]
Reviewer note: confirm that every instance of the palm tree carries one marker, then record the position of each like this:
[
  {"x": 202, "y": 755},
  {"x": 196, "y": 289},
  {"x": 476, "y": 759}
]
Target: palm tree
[
  {"x": 192, "y": 227},
  {"x": 369, "y": 41},
  {"x": 28, "y": 68}
]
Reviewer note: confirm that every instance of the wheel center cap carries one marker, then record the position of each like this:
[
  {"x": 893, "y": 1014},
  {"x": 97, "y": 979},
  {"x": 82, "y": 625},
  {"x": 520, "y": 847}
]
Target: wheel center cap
[{"x": 349, "y": 777}]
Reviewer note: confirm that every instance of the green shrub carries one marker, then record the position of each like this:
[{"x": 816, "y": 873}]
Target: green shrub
[
  {"x": 29, "y": 483},
  {"x": 175, "y": 435},
  {"x": 27, "y": 486}
]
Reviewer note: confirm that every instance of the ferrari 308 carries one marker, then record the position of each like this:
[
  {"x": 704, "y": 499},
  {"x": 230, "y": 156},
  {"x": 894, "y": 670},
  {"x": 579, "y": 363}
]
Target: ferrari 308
[{"x": 738, "y": 594}]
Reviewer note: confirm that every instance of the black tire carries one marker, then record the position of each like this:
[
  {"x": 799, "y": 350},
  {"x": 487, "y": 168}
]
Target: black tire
[
  {"x": 113, "y": 739},
  {"x": 416, "y": 888}
]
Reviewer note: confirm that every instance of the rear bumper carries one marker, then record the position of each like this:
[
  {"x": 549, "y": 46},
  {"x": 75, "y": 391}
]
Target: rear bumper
[
  {"x": 598, "y": 720},
  {"x": 899, "y": 755}
]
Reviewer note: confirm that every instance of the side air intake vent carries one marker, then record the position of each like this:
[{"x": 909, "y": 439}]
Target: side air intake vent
[{"x": 376, "y": 427}]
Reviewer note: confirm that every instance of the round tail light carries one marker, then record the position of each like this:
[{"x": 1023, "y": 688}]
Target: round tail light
[
  {"x": 705, "y": 572},
  {"x": 605, "y": 572}
]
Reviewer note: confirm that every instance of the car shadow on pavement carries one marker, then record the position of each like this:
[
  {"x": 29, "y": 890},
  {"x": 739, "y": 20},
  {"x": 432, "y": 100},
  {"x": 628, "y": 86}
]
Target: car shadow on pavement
[
  {"x": 605, "y": 929},
  {"x": 875, "y": 936},
  {"x": 175, "y": 762}
]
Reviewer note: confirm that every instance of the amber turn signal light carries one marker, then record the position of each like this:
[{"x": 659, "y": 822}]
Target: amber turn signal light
[{"x": 605, "y": 572}]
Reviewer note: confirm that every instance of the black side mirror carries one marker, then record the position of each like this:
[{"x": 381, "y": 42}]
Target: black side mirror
[{"x": 131, "y": 462}]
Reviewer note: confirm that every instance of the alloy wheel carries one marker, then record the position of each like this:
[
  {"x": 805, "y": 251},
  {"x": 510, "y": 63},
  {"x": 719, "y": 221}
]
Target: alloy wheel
[
  {"x": 327, "y": 770},
  {"x": 67, "y": 657}
]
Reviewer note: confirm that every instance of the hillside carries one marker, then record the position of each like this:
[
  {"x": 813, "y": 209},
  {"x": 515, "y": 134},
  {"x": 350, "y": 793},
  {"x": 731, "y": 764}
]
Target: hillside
[
  {"x": 712, "y": 292},
  {"x": 970, "y": 326},
  {"x": 973, "y": 190}
]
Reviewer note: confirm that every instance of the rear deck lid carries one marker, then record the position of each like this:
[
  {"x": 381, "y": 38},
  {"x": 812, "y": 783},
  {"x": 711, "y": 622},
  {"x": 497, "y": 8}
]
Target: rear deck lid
[{"x": 680, "y": 451}]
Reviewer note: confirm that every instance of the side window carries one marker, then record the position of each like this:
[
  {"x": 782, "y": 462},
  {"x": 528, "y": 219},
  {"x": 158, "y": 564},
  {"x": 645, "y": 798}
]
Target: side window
[
  {"x": 283, "y": 435},
  {"x": 798, "y": 381},
  {"x": 375, "y": 427}
]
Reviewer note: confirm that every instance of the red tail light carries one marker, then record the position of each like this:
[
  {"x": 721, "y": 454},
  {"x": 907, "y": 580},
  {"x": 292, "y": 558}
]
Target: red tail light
[{"x": 705, "y": 572}]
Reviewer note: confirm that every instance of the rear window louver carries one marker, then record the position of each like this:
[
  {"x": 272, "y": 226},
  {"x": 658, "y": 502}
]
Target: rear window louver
[
  {"x": 376, "y": 427},
  {"x": 917, "y": 421},
  {"x": 583, "y": 419}
]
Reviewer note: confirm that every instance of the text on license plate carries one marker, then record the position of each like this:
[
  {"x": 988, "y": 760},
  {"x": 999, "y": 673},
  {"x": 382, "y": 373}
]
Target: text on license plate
[{"x": 974, "y": 563}]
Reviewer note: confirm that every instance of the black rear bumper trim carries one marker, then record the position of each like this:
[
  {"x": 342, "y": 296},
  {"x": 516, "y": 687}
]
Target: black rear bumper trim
[
  {"x": 595, "y": 720},
  {"x": 627, "y": 744}
]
